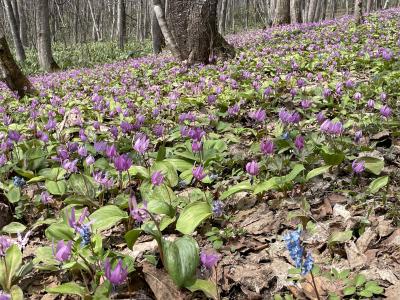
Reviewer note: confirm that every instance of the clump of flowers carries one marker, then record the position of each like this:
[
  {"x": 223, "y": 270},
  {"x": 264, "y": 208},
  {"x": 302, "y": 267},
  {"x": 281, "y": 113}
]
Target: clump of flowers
[{"x": 302, "y": 260}]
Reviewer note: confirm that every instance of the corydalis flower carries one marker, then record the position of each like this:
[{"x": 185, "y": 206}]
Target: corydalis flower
[
  {"x": 252, "y": 168},
  {"x": 157, "y": 178},
  {"x": 116, "y": 276},
  {"x": 141, "y": 144},
  {"x": 198, "y": 172},
  {"x": 296, "y": 251},
  {"x": 209, "y": 260},
  {"x": 63, "y": 251},
  {"x": 217, "y": 208}
]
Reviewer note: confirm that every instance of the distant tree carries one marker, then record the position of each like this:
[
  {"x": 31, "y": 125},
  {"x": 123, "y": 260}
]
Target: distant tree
[
  {"x": 45, "y": 54},
  {"x": 358, "y": 11},
  {"x": 10, "y": 73},
  {"x": 312, "y": 8},
  {"x": 14, "y": 26},
  {"x": 190, "y": 30},
  {"x": 121, "y": 23},
  {"x": 295, "y": 11},
  {"x": 282, "y": 12},
  {"x": 156, "y": 33}
]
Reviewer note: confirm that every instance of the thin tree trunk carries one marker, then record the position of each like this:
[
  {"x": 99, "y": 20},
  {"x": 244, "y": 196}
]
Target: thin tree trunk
[
  {"x": 10, "y": 73},
  {"x": 14, "y": 31},
  {"x": 76, "y": 22},
  {"x": 369, "y": 5},
  {"x": 95, "y": 26},
  {"x": 222, "y": 19},
  {"x": 23, "y": 26},
  {"x": 358, "y": 12},
  {"x": 45, "y": 55},
  {"x": 121, "y": 23},
  {"x": 295, "y": 11},
  {"x": 156, "y": 33}
]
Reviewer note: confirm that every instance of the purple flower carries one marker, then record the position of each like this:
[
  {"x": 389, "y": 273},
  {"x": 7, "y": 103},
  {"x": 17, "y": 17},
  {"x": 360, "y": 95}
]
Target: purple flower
[
  {"x": 196, "y": 146},
  {"x": 299, "y": 142},
  {"x": 306, "y": 104},
  {"x": 90, "y": 160},
  {"x": 327, "y": 92},
  {"x": 357, "y": 96},
  {"x": 116, "y": 276},
  {"x": 141, "y": 144},
  {"x": 157, "y": 178},
  {"x": 196, "y": 134},
  {"x": 267, "y": 147},
  {"x": 258, "y": 115},
  {"x": 139, "y": 214},
  {"x": 383, "y": 96},
  {"x": 111, "y": 151},
  {"x": 217, "y": 208},
  {"x": 321, "y": 117},
  {"x": 358, "y": 166},
  {"x": 4, "y": 296},
  {"x": 122, "y": 162},
  {"x": 252, "y": 168},
  {"x": 46, "y": 198},
  {"x": 332, "y": 128},
  {"x": 3, "y": 160},
  {"x": 63, "y": 251},
  {"x": 209, "y": 260},
  {"x": 100, "y": 146},
  {"x": 158, "y": 130},
  {"x": 371, "y": 103},
  {"x": 82, "y": 151},
  {"x": 82, "y": 135},
  {"x": 198, "y": 172},
  {"x": 70, "y": 166},
  {"x": 385, "y": 111},
  {"x": 5, "y": 243},
  {"x": 233, "y": 110},
  {"x": 102, "y": 179},
  {"x": 14, "y": 136},
  {"x": 357, "y": 136},
  {"x": 72, "y": 220}
]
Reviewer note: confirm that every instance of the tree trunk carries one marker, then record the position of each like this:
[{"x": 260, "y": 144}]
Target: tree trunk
[
  {"x": 295, "y": 11},
  {"x": 45, "y": 55},
  {"x": 222, "y": 19},
  {"x": 193, "y": 26},
  {"x": 23, "y": 26},
  {"x": 358, "y": 12},
  {"x": 369, "y": 5},
  {"x": 156, "y": 33},
  {"x": 282, "y": 12},
  {"x": 10, "y": 73},
  {"x": 19, "y": 49},
  {"x": 121, "y": 23},
  {"x": 311, "y": 10}
]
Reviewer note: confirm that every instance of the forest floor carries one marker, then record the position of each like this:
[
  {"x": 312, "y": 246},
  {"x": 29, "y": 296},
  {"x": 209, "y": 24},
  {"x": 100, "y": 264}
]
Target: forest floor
[{"x": 300, "y": 130}]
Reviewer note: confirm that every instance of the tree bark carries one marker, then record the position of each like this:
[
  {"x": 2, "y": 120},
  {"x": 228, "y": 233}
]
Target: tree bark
[
  {"x": 156, "y": 33},
  {"x": 311, "y": 10},
  {"x": 295, "y": 11},
  {"x": 19, "y": 49},
  {"x": 369, "y": 5},
  {"x": 10, "y": 73},
  {"x": 358, "y": 12},
  {"x": 121, "y": 23},
  {"x": 45, "y": 55},
  {"x": 222, "y": 19},
  {"x": 282, "y": 12},
  {"x": 23, "y": 26},
  {"x": 193, "y": 26}
]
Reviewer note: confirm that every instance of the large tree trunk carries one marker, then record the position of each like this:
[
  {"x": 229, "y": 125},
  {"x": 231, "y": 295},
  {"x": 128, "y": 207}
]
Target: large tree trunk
[
  {"x": 311, "y": 10},
  {"x": 192, "y": 25},
  {"x": 10, "y": 73},
  {"x": 358, "y": 12},
  {"x": 369, "y": 5},
  {"x": 19, "y": 49},
  {"x": 295, "y": 11},
  {"x": 282, "y": 12},
  {"x": 121, "y": 23},
  {"x": 156, "y": 33},
  {"x": 45, "y": 55}
]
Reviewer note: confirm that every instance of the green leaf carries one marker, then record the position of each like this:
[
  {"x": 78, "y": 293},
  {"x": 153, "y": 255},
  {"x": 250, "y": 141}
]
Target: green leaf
[
  {"x": 192, "y": 215},
  {"x": 166, "y": 221},
  {"x": 14, "y": 194},
  {"x": 332, "y": 157},
  {"x": 161, "y": 153},
  {"x": 297, "y": 169},
  {"x": 59, "y": 231},
  {"x": 160, "y": 207},
  {"x": 45, "y": 255},
  {"x": 374, "y": 288},
  {"x": 13, "y": 227},
  {"x": 240, "y": 187},
  {"x": 82, "y": 185},
  {"x": 180, "y": 164},
  {"x": 181, "y": 258},
  {"x": 131, "y": 236},
  {"x": 373, "y": 164},
  {"x": 106, "y": 217},
  {"x": 103, "y": 291},
  {"x": 16, "y": 293},
  {"x": 377, "y": 184},
  {"x": 69, "y": 288},
  {"x": 266, "y": 185},
  {"x": 206, "y": 286},
  {"x": 340, "y": 237},
  {"x": 360, "y": 280},
  {"x": 9, "y": 266},
  {"x": 168, "y": 170},
  {"x": 349, "y": 290},
  {"x": 56, "y": 187},
  {"x": 365, "y": 293},
  {"x": 318, "y": 171}
]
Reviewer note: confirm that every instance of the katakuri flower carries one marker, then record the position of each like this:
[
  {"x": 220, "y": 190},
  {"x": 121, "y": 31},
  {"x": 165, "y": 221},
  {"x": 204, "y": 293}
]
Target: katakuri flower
[
  {"x": 198, "y": 172},
  {"x": 358, "y": 166},
  {"x": 63, "y": 251},
  {"x": 209, "y": 260},
  {"x": 252, "y": 168},
  {"x": 116, "y": 276},
  {"x": 157, "y": 178},
  {"x": 142, "y": 144}
]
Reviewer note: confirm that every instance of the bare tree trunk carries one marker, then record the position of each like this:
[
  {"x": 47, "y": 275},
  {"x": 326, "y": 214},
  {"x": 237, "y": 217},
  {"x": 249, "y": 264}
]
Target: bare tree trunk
[
  {"x": 247, "y": 11},
  {"x": 295, "y": 11},
  {"x": 23, "y": 26},
  {"x": 10, "y": 73},
  {"x": 121, "y": 23},
  {"x": 369, "y": 5},
  {"x": 14, "y": 31},
  {"x": 76, "y": 22},
  {"x": 157, "y": 35},
  {"x": 222, "y": 20},
  {"x": 358, "y": 12},
  {"x": 282, "y": 12},
  {"x": 193, "y": 25},
  {"x": 311, "y": 10},
  {"x": 46, "y": 59},
  {"x": 95, "y": 25}
]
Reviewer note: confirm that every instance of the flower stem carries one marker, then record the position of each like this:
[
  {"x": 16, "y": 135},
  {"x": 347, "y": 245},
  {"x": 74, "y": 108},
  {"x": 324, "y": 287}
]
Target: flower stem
[{"x": 314, "y": 285}]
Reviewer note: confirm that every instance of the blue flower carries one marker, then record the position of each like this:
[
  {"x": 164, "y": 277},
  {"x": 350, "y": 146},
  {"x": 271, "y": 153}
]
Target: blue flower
[
  {"x": 18, "y": 181},
  {"x": 85, "y": 233},
  {"x": 217, "y": 208}
]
